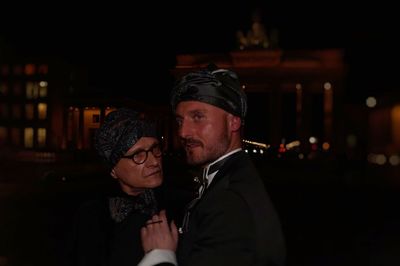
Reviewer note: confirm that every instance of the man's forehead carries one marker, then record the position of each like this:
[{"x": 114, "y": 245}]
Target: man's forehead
[
  {"x": 189, "y": 106},
  {"x": 193, "y": 108}
]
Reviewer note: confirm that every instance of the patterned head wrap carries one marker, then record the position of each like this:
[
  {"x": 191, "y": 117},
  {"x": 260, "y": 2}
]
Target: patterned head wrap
[
  {"x": 219, "y": 87},
  {"x": 120, "y": 130}
]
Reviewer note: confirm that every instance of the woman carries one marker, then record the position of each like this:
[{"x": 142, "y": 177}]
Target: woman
[{"x": 107, "y": 231}]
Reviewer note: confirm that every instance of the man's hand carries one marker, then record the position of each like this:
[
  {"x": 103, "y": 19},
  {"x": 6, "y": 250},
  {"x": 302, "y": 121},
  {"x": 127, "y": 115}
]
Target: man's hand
[{"x": 157, "y": 234}]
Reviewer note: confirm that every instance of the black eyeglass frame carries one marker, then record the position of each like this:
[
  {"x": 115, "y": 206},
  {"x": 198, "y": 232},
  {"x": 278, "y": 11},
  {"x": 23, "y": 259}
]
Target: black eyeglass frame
[{"x": 158, "y": 154}]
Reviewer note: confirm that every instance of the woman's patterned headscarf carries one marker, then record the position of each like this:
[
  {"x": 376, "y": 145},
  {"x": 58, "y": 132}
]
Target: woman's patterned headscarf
[{"x": 120, "y": 130}]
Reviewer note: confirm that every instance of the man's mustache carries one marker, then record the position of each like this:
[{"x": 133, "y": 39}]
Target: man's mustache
[{"x": 190, "y": 141}]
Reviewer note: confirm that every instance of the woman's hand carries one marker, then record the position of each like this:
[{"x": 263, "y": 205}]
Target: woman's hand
[{"x": 157, "y": 234}]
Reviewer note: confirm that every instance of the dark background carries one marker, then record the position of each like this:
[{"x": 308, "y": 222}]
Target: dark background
[
  {"x": 140, "y": 40},
  {"x": 333, "y": 213}
]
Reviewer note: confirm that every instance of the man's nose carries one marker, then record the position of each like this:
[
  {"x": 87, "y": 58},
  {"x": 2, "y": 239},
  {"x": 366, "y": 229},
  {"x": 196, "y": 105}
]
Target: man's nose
[{"x": 184, "y": 129}]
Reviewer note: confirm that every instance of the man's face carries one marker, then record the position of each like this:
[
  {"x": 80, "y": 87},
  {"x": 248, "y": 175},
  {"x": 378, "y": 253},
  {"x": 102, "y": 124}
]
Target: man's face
[
  {"x": 203, "y": 130},
  {"x": 133, "y": 177}
]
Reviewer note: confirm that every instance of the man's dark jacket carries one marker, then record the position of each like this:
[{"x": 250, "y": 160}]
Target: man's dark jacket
[{"x": 234, "y": 222}]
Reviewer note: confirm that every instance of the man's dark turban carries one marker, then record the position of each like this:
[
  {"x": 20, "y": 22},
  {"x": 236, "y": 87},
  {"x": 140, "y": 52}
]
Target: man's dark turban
[{"x": 219, "y": 87}]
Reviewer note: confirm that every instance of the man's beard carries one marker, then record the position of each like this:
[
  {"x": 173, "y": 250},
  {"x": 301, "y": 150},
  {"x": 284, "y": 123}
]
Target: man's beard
[{"x": 207, "y": 154}]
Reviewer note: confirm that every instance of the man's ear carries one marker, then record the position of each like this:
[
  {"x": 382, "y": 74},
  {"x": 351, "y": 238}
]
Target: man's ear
[
  {"x": 235, "y": 122},
  {"x": 113, "y": 173}
]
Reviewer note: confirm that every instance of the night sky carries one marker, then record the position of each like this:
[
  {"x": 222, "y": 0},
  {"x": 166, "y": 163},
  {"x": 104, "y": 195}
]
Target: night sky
[{"x": 119, "y": 43}]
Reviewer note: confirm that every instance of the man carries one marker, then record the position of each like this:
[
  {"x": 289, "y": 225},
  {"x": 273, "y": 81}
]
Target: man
[
  {"x": 107, "y": 230},
  {"x": 232, "y": 222}
]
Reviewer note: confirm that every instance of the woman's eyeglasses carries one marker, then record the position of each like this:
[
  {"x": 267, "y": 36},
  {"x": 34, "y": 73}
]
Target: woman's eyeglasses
[{"x": 140, "y": 156}]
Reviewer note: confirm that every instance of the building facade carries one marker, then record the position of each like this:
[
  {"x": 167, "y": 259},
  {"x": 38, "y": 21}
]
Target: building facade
[
  {"x": 294, "y": 96},
  {"x": 295, "y": 100}
]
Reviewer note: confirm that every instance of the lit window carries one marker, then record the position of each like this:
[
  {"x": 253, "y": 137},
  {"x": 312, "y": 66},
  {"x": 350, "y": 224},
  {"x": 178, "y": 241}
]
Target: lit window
[
  {"x": 16, "y": 111},
  {"x": 29, "y": 111},
  {"x": 30, "y": 69},
  {"x": 41, "y": 137},
  {"x": 29, "y": 90},
  {"x": 42, "y": 110},
  {"x": 43, "y": 89},
  {"x": 96, "y": 119},
  {"x": 15, "y": 136},
  {"x": 35, "y": 90},
  {"x": 32, "y": 90},
  {"x": 89, "y": 125},
  {"x": 28, "y": 137}
]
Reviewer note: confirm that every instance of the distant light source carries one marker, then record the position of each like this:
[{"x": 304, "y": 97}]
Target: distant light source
[
  {"x": 314, "y": 147},
  {"x": 394, "y": 160},
  {"x": 243, "y": 86},
  {"x": 371, "y": 102},
  {"x": 281, "y": 148},
  {"x": 326, "y": 146},
  {"x": 327, "y": 86},
  {"x": 298, "y": 86},
  {"x": 312, "y": 140},
  {"x": 380, "y": 159},
  {"x": 43, "y": 84},
  {"x": 292, "y": 144}
]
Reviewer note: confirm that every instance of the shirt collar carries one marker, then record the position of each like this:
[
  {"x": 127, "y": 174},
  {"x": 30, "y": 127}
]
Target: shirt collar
[{"x": 211, "y": 170}]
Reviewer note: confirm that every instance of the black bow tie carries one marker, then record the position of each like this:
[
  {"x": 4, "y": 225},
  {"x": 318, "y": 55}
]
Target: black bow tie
[{"x": 121, "y": 206}]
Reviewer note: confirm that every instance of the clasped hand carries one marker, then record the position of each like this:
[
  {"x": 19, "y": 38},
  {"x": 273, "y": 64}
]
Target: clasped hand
[{"x": 158, "y": 234}]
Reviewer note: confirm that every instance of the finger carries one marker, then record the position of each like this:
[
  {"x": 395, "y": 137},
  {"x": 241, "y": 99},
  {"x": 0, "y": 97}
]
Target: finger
[
  {"x": 150, "y": 228},
  {"x": 174, "y": 231},
  {"x": 143, "y": 234},
  {"x": 163, "y": 214},
  {"x": 155, "y": 218},
  {"x": 163, "y": 217},
  {"x": 145, "y": 240},
  {"x": 154, "y": 222}
]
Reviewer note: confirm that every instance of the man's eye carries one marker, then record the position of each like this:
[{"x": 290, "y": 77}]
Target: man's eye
[
  {"x": 198, "y": 117},
  {"x": 179, "y": 122}
]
